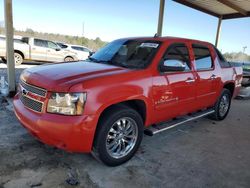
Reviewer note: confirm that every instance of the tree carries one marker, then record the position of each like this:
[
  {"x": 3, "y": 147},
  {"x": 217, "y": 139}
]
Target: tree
[
  {"x": 237, "y": 56},
  {"x": 30, "y": 31}
]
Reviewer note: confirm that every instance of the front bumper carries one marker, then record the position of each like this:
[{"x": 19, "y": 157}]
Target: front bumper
[{"x": 71, "y": 133}]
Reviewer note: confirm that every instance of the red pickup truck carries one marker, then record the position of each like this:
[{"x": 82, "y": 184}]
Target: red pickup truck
[{"x": 129, "y": 87}]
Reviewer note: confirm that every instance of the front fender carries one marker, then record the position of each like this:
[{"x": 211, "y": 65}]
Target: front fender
[
  {"x": 97, "y": 102},
  {"x": 106, "y": 91},
  {"x": 125, "y": 99}
]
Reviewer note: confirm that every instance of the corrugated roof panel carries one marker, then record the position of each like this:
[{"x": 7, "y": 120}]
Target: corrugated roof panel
[
  {"x": 213, "y": 6},
  {"x": 227, "y": 9},
  {"x": 244, "y": 4}
]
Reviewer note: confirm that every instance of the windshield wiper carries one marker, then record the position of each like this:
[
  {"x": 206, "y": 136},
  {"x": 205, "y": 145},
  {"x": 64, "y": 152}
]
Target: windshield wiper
[
  {"x": 109, "y": 62},
  {"x": 99, "y": 61},
  {"x": 122, "y": 65},
  {"x": 93, "y": 59}
]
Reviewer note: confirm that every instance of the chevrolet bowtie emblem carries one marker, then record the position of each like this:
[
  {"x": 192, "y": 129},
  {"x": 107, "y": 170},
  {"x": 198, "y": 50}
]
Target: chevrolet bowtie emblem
[{"x": 24, "y": 92}]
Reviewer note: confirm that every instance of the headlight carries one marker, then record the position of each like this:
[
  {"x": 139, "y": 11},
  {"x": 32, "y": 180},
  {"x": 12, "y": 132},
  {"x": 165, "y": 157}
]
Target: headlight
[{"x": 67, "y": 103}]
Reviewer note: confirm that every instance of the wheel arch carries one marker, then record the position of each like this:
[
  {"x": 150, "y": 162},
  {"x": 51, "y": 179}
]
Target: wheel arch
[
  {"x": 138, "y": 105},
  {"x": 70, "y": 57},
  {"x": 20, "y": 52},
  {"x": 230, "y": 86}
]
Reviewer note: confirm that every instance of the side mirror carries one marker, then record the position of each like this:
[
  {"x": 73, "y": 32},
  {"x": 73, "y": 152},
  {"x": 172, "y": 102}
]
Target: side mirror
[
  {"x": 91, "y": 53},
  {"x": 172, "y": 65},
  {"x": 58, "y": 49}
]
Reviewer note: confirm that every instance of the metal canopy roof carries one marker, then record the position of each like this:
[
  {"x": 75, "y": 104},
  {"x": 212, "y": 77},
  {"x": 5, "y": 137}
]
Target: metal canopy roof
[{"x": 224, "y": 9}]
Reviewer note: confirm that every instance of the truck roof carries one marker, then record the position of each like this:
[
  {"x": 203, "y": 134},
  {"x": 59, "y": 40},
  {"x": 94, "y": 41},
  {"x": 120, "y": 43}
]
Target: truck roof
[{"x": 168, "y": 38}]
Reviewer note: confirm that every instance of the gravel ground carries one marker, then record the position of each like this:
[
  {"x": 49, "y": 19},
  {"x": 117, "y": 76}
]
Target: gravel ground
[
  {"x": 19, "y": 69},
  {"x": 201, "y": 153}
]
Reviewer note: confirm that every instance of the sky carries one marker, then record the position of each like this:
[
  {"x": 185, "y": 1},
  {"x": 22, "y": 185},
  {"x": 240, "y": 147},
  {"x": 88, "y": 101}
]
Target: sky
[{"x": 112, "y": 19}]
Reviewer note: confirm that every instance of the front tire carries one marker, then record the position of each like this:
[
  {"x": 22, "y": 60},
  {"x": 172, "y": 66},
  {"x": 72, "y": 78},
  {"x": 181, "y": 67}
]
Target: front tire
[
  {"x": 222, "y": 106},
  {"x": 119, "y": 135},
  {"x": 18, "y": 58}
]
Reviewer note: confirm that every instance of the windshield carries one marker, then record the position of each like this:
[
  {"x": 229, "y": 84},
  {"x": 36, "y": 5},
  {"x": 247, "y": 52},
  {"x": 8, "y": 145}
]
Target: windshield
[{"x": 127, "y": 53}]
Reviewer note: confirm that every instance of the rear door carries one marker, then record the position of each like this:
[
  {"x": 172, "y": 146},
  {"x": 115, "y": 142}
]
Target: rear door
[
  {"x": 207, "y": 78},
  {"x": 174, "y": 92},
  {"x": 38, "y": 50}
]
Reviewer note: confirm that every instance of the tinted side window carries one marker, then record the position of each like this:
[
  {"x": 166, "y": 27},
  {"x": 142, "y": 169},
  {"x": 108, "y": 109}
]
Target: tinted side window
[
  {"x": 85, "y": 50},
  {"x": 178, "y": 52},
  {"x": 76, "y": 48},
  {"x": 223, "y": 62},
  {"x": 203, "y": 59},
  {"x": 52, "y": 45},
  {"x": 63, "y": 46},
  {"x": 26, "y": 40},
  {"x": 41, "y": 43}
]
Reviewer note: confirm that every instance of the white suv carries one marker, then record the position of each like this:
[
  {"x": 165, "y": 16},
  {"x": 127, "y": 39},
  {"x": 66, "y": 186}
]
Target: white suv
[{"x": 81, "y": 52}]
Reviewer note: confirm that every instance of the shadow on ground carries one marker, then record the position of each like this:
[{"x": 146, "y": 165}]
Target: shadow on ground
[{"x": 202, "y": 153}]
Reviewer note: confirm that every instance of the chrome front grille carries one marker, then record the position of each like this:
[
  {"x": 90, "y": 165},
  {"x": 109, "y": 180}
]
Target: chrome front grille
[
  {"x": 31, "y": 103},
  {"x": 31, "y": 95},
  {"x": 33, "y": 89}
]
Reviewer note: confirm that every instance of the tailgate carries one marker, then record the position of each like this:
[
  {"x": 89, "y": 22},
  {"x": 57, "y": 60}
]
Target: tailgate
[{"x": 239, "y": 74}]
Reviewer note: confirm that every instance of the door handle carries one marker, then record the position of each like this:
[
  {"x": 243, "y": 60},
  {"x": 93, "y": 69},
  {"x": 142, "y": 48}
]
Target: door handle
[
  {"x": 213, "y": 77},
  {"x": 189, "y": 80}
]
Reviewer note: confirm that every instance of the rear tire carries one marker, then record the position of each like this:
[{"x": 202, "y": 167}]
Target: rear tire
[
  {"x": 18, "y": 58},
  {"x": 119, "y": 135},
  {"x": 68, "y": 59},
  {"x": 222, "y": 106}
]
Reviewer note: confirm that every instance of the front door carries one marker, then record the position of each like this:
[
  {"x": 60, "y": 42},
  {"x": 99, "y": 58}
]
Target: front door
[{"x": 174, "y": 91}]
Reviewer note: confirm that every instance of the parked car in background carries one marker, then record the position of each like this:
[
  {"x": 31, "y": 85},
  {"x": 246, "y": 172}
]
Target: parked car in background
[
  {"x": 35, "y": 49},
  {"x": 246, "y": 72},
  {"x": 82, "y": 52},
  {"x": 19, "y": 48},
  {"x": 128, "y": 87}
]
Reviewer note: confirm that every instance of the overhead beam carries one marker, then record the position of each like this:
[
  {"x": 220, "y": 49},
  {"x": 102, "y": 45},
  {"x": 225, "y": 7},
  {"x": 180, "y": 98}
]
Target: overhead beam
[
  {"x": 191, "y": 5},
  {"x": 233, "y": 6},
  {"x": 8, "y": 19},
  {"x": 160, "y": 18},
  {"x": 235, "y": 15}
]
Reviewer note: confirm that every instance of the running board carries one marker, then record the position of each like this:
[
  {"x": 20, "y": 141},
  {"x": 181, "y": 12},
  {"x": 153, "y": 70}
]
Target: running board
[{"x": 154, "y": 129}]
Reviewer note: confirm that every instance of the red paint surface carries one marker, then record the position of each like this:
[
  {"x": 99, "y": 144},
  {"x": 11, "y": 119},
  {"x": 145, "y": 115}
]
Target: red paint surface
[{"x": 165, "y": 95}]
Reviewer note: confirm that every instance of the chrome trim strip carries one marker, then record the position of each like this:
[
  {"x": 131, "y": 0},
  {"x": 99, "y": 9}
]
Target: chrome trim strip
[
  {"x": 42, "y": 103},
  {"x": 187, "y": 120},
  {"x": 25, "y": 83}
]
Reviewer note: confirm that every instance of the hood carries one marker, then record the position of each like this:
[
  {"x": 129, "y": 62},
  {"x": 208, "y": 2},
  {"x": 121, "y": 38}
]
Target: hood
[{"x": 61, "y": 76}]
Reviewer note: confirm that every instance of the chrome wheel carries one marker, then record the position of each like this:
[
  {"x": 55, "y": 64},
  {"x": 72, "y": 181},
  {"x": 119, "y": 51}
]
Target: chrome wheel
[
  {"x": 122, "y": 137},
  {"x": 18, "y": 59},
  {"x": 224, "y": 105}
]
